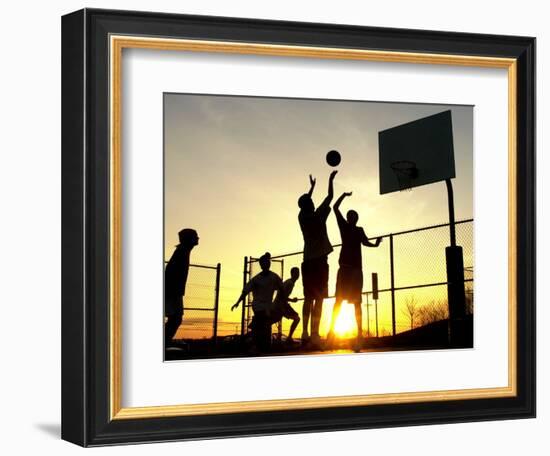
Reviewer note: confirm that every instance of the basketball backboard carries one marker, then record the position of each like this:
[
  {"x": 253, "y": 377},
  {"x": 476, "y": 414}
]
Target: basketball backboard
[{"x": 416, "y": 153}]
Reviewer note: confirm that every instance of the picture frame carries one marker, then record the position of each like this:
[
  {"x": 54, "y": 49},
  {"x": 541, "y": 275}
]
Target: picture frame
[{"x": 92, "y": 45}]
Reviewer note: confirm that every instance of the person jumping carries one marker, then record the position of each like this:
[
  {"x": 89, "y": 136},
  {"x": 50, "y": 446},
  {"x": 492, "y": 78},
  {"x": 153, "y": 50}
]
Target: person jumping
[
  {"x": 317, "y": 247},
  {"x": 349, "y": 281}
]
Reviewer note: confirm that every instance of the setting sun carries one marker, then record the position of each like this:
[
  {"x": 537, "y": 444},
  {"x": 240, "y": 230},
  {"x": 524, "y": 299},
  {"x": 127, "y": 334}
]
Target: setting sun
[{"x": 345, "y": 325}]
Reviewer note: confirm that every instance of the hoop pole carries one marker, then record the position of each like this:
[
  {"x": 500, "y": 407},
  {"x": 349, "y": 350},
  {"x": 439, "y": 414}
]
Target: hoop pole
[
  {"x": 392, "y": 286},
  {"x": 376, "y": 312},
  {"x": 280, "y": 324},
  {"x": 450, "y": 197},
  {"x": 217, "y": 303}
]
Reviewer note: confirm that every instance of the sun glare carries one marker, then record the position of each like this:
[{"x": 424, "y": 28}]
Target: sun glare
[{"x": 345, "y": 325}]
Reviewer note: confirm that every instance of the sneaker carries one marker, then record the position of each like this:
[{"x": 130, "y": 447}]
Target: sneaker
[
  {"x": 305, "y": 336},
  {"x": 175, "y": 348}
]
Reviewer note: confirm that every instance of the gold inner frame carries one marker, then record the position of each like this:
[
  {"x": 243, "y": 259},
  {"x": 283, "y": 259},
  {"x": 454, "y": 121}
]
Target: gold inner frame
[{"x": 117, "y": 44}]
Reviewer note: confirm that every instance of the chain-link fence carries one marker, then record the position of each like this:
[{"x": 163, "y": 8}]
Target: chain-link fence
[
  {"x": 412, "y": 280},
  {"x": 201, "y": 303}
]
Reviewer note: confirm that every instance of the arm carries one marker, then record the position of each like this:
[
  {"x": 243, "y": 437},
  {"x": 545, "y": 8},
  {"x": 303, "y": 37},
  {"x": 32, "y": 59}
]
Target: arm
[
  {"x": 312, "y": 185},
  {"x": 245, "y": 291},
  {"x": 280, "y": 285},
  {"x": 330, "y": 194},
  {"x": 338, "y": 202},
  {"x": 241, "y": 298},
  {"x": 283, "y": 291},
  {"x": 367, "y": 243}
]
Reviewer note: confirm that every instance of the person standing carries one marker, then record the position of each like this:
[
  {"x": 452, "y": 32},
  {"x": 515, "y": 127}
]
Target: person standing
[
  {"x": 317, "y": 247},
  {"x": 282, "y": 307},
  {"x": 175, "y": 280},
  {"x": 262, "y": 286}
]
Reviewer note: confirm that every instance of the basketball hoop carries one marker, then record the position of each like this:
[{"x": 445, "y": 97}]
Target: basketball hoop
[{"x": 405, "y": 171}]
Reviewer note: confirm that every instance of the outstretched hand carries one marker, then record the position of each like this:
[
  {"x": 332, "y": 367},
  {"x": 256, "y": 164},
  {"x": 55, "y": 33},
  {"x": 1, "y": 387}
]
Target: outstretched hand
[
  {"x": 312, "y": 180},
  {"x": 333, "y": 174},
  {"x": 378, "y": 241},
  {"x": 234, "y": 306},
  {"x": 345, "y": 194}
]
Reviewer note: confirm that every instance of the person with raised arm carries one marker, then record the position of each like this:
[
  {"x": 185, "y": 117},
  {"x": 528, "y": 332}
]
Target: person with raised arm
[
  {"x": 317, "y": 247},
  {"x": 349, "y": 281}
]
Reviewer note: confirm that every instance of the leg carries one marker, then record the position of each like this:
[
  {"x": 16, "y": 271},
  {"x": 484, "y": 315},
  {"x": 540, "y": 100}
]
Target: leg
[
  {"x": 359, "y": 319},
  {"x": 295, "y": 323},
  {"x": 306, "y": 312},
  {"x": 256, "y": 330},
  {"x": 171, "y": 327},
  {"x": 265, "y": 335},
  {"x": 335, "y": 313},
  {"x": 262, "y": 331},
  {"x": 173, "y": 309},
  {"x": 316, "y": 314},
  {"x": 321, "y": 291}
]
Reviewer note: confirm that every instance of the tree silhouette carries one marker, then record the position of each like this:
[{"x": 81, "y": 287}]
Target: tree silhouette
[
  {"x": 432, "y": 312},
  {"x": 410, "y": 310}
]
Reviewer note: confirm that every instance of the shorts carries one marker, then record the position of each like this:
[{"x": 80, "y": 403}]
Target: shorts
[
  {"x": 315, "y": 278},
  {"x": 285, "y": 311},
  {"x": 349, "y": 284}
]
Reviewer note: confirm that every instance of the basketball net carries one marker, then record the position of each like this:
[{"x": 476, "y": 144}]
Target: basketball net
[{"x": 405, "y": 171}]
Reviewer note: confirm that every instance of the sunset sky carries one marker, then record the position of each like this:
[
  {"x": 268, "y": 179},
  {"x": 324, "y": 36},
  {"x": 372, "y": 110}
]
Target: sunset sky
[{"x": 235, "y": 167}]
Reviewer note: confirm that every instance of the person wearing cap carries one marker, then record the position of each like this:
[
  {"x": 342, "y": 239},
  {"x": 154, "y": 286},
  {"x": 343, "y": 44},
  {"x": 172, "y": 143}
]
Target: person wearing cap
[
  {"x": 262, "y": 286},
  {"x": 317, "y": 247},
  {"x": 175, "y": 280}
]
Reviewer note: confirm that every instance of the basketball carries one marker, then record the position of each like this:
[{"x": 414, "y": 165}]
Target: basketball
[{"x": 333, "y": 158}]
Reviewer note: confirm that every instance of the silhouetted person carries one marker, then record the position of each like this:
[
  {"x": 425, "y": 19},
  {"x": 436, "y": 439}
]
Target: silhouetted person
[
  {"x": 175, "y": 279},
  {"x": 349, "y": 281},
  {"x": 281, "y": 306},
  {"x": 313, "y": 223},
  {"x": 262, "y": 286}
]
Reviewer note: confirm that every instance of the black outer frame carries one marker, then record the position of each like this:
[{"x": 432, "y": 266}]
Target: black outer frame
[{"x": 85, "y": 227}]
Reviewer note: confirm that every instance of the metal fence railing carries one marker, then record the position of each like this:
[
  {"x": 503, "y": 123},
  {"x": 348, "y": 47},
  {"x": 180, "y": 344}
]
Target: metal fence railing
[
  {"x": 412, "y": 280},
  {"x": 201, "y": 303}
]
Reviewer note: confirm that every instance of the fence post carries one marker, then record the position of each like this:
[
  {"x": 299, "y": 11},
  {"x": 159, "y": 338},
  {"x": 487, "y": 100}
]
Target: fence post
[
  {"x": 217, "y": 302},
  {"x": 376, "y": 315},
  {"x": 280, "y": 324},
  {"x": 368, "y": 316},
  {"x": 392, "y": 286},
  {"x": 244, "y": 300}
]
